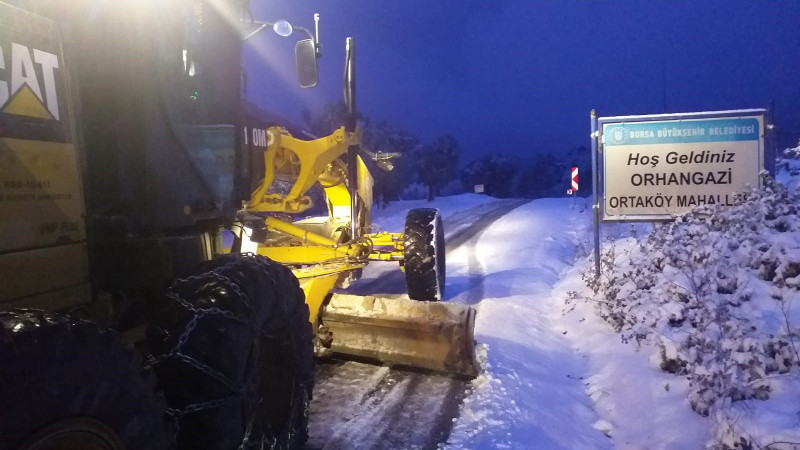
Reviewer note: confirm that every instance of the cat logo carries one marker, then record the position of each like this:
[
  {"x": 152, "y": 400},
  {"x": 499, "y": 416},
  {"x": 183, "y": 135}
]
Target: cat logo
[{"x": 22, "y": 85}]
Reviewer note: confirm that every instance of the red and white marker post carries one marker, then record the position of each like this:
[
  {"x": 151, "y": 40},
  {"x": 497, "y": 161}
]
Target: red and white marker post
[{"x": 574, "y": 181}]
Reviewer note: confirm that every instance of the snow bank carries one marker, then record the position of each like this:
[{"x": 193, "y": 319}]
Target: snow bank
[
  {"x": 712, "y": 298},
  {"x": 531, "y": 393}
]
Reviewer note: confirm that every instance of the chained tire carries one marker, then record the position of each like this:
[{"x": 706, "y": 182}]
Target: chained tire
[
  {"x": 65, "y": 383},
  {"x": 423, "y": 256},
  {"x": 233, "y": 353}
]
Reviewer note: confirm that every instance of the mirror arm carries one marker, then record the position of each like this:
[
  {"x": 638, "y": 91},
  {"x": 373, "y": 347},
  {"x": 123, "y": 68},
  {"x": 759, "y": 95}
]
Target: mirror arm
[
  {"x": 308, "y": 32},
  {"x": 261, "y": 26},
  {"x": 313, "y": 36}
]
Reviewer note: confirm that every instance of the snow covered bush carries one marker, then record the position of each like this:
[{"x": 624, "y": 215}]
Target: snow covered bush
[
  {"x": 713, "y": 292},
  {"x": 793, "y": 153},
  {"x": 788, "y": 167}
]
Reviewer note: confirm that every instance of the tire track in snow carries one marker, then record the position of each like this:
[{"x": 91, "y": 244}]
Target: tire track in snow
[
  {"x": 373, "y": 407},
  {"x": 483, "y": 217},
  {"x": 342, "y": 389},
  {"x": 469, "y": 236},
  {"x": 475, "y": 288}
]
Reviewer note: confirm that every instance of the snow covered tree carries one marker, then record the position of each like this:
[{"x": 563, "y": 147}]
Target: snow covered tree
[
  {"x": 540, "y": 177},
  {"x": 548, "y": 174},
  {"x": 496, "y": 173},
  {"x": 332, "y": 116},
  {"x": 437, "y": 162},
  {"x": 393, "y": 175},
  {"x": 377, "y": 139}
]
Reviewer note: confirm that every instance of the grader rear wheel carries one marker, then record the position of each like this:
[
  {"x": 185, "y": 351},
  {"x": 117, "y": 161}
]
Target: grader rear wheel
[
  {"x": 234, "y": 355},
  {"x": 65, "y": 383},
  {"x": 424, "y": 259}
]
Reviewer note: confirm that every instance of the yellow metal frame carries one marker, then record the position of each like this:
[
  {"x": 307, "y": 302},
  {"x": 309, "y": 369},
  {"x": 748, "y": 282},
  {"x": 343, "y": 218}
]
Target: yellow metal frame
[
  {"x": 317, "y": 282},
  {"x": 307, "y": 161},
  {"x": 313, "y": 248},
  {"x": 386, "y": 246},
  {"x": 320, "y": 262},
  {"x": 315, "y": 290}
]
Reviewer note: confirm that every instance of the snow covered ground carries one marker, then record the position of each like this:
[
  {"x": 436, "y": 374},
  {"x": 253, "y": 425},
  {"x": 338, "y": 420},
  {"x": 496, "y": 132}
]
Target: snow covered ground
[
  {"x": 532, "y": 393},
  {"x": 557, "y": 375}
]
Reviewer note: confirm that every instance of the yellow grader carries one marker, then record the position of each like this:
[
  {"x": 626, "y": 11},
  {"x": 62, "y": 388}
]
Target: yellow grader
[{"x": 126, "y": 322}]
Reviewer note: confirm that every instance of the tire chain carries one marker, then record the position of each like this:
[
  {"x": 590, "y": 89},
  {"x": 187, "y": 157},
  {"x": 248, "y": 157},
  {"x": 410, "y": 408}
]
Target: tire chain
[{"x": 175, "y": 353}]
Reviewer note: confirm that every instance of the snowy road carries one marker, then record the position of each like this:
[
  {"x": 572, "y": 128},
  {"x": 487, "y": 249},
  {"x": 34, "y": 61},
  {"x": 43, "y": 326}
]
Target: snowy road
[
  {"x": 554, "y": 375},
  {"x": 364, "y": 406}
]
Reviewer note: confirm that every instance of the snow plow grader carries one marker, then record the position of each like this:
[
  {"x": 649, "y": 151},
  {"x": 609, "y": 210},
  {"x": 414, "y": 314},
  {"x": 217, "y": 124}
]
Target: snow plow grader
[
  {"x": 324, "y": 254},
  {"x": 126, "y": 158}
]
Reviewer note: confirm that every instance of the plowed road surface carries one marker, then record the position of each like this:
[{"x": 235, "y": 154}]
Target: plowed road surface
[{"x": 364, "y": 406}]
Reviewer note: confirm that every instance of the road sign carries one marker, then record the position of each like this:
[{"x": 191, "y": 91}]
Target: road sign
[{"x": 657, "y": 167}]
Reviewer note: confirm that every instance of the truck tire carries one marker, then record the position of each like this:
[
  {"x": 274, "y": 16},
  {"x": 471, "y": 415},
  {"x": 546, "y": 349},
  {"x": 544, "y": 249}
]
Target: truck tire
[
  {"x": 65, "y": 383},
  {"x": 423, "y": 255},
  {"x": 233, "y": 353}
]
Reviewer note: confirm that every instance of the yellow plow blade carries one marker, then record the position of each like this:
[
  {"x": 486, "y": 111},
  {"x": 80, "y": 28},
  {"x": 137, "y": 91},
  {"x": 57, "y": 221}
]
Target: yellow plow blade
[{"x": 395, "y": 330}]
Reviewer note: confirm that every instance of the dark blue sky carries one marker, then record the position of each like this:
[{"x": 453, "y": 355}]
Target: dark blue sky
[{"x": 520, "y": 76}]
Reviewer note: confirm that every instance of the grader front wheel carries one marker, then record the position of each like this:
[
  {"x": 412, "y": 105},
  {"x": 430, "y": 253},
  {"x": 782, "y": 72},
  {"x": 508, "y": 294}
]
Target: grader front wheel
[
  {"x": 234, "y": 355},
  {"x": 424, "y": 251}
]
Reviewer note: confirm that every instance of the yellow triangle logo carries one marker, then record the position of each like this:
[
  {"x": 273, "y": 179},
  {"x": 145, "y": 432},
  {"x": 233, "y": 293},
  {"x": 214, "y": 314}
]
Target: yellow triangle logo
[{"x": 26, "y": 103}]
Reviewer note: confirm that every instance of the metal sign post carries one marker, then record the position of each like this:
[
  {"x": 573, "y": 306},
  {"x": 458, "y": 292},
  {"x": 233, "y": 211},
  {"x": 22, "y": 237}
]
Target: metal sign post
[{"x": 595, "y": 194}]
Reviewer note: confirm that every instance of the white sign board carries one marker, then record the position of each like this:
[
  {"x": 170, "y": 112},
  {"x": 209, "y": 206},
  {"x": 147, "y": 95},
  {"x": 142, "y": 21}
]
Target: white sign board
[
  {"x": 479, "y": 189},
  {"x": 657, "y": 169}
]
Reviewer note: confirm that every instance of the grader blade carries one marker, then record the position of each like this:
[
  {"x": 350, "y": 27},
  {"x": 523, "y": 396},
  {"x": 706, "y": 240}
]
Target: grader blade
[{"x": 395, "y": 330}]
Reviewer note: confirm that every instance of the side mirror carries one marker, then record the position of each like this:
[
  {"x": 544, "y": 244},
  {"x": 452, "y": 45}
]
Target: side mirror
[{"x": 306, "y": 59}]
